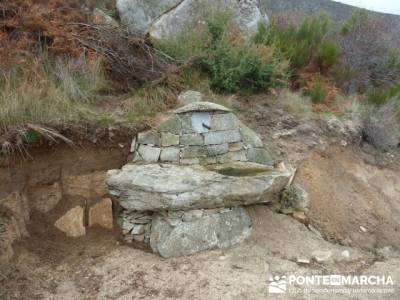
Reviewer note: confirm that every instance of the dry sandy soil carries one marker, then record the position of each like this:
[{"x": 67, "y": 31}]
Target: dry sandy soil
[{"x": 348, "y": 189}]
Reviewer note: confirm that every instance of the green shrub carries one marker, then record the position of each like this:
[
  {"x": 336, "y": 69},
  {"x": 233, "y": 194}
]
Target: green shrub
[
  {"x": 299, "y": 43},
  {"x": 318, "y": 92},
  {"x": 380, "y": 96},
  {"x": 328, "y": 54},
  {"x": 231, "y": 62}
]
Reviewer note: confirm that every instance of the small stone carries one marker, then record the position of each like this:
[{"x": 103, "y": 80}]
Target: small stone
[
  {"x": 149, "y": 138},
  {"x": 149, "y": 153},
  {"x": 221, "y": 137},
  {"x": 101, "y": 214},
  {"x": 72, "y": 222},
  {"x": 190, "y": 97},
  {"x": 128, "y": 238},
  {"x": 201, "y": 107},
  {"x": 137, "y": 229},
  {"x": 303, "y": 261},
  {"x": 171, "y": 125},
  {"x": 346, "y": 254},
  {"x": 322, "y": 256},
  {"x": 363, "y": 229},
  {"x": 300, "y": 216},
  {"x": 189, "y": 216},
  {"x": 138, "y": 237},
  {"x": 193, "y": 139},
  {"x": 190, "y": 161},
  {"x": 215, "y": 150},
  {"x": 126, "y": 225},
  {"x": 343, "y": 143},
  {"x": 133, "y": 145},
  {"x": 170, "y": 154},
  {"x": 260, "y": 156},
  {"x": 233, "y": 147},
  {"x": 169, "y": 139}
]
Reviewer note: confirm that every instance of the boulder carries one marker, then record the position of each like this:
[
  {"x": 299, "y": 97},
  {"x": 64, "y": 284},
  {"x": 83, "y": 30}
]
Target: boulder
[
  {"x": 101, "y": 214},
  {"x": 138, "y": 15},
  {"x": 189, "y": 13},
  {"x": 72, "y": 223},
  {"x": 156, "y": 187},
  {"x": 190, "y": 97},
  {"x": 179, "y": 237}
]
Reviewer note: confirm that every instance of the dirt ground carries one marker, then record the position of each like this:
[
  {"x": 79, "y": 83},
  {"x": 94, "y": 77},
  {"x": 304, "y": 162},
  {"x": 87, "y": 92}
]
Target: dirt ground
[{"x": 355, "y": 218}]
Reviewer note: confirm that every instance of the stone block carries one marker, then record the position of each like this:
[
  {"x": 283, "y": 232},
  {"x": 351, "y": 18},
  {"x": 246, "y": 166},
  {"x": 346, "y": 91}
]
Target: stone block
[
  {"x": 72, "y": 223},
  {"x": 149, "y": 153},
  {"x": 149, "y": 138},
  {"x": 219, "y": 230},
  {"x": 101, "y": 214},
  {"x": 232, "y": 156},
  {"x": 224, "y": 121},
  {"x": 190, "y": 97},
  {"x": 192, "y": 139},
  {"x": 194, "y": 151},
  {"x": 169, "y": 139},
  {"x": 221, "y": 137},
  {"x": 171, "y": 125},
  {"x": 170, "y": 154},
  {"x": 215, "y": 150}
]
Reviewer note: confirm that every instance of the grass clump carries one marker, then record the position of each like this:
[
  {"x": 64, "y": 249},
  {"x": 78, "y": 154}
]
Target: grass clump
[
  {"x": 49, "y": 90},
  {"x": 318, "y": 92}
]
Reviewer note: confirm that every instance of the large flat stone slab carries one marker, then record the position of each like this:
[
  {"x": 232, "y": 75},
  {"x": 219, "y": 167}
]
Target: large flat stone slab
[
  {"x": 157, "y": 187},
  {"x": 201, "y": 231}
]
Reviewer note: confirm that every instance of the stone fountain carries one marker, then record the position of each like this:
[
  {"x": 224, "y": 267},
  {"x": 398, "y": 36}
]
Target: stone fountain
[{"x": 189, "y": 180}]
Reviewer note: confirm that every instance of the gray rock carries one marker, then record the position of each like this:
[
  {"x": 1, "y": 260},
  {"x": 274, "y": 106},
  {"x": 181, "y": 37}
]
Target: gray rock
[
  {"x": 260, "y": 156},
  {"x": 169, "y": 139},
  {"x": 215, "y": 150},
  {"x": 219, "y": 230},
  {"x": 171, "y": 125},
  {"x": 155, "y": 187},
  {"x": 226, "y": 121},
  {"x": 221, "y": 137},
  {"x": 233, "y": 147},
  {"x": 188, "y": 13},
  {"x": 170, "y": 154},
  {"x": 193, "y": 139},
  {"x": 194, "y": 151},
  {"x": 294, "y": 198},
  {"x": 190, "y": 161},
  {"x": 189, "y": 97},
  {"x": 149, "y": 153},
  {"x": 201, "y": 106},
  {"x": 137, "y": 229},
  {"x": 232, "y": 156},
  {"x": 138, "y": 15},
  {"x": 250, "y": 138},
  {"x": 133, "y": 145},
  {"x": 149, "y": 138}
]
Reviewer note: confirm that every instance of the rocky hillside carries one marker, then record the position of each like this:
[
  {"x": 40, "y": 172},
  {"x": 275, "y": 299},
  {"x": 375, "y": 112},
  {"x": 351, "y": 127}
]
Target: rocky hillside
[{"x": 339, "y": 12}]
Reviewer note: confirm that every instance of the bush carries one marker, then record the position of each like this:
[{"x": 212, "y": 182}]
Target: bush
[
  {"x": 300, "y": 43},
  {"x": 318, "y": 93},
  {"x": 368, "y": 52},
  {"x": 382, "y": 125},
  {"x": 380, "y": 96},
  {"x": 328, "y": 55},
  {"x": 232, "y": 63}
]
